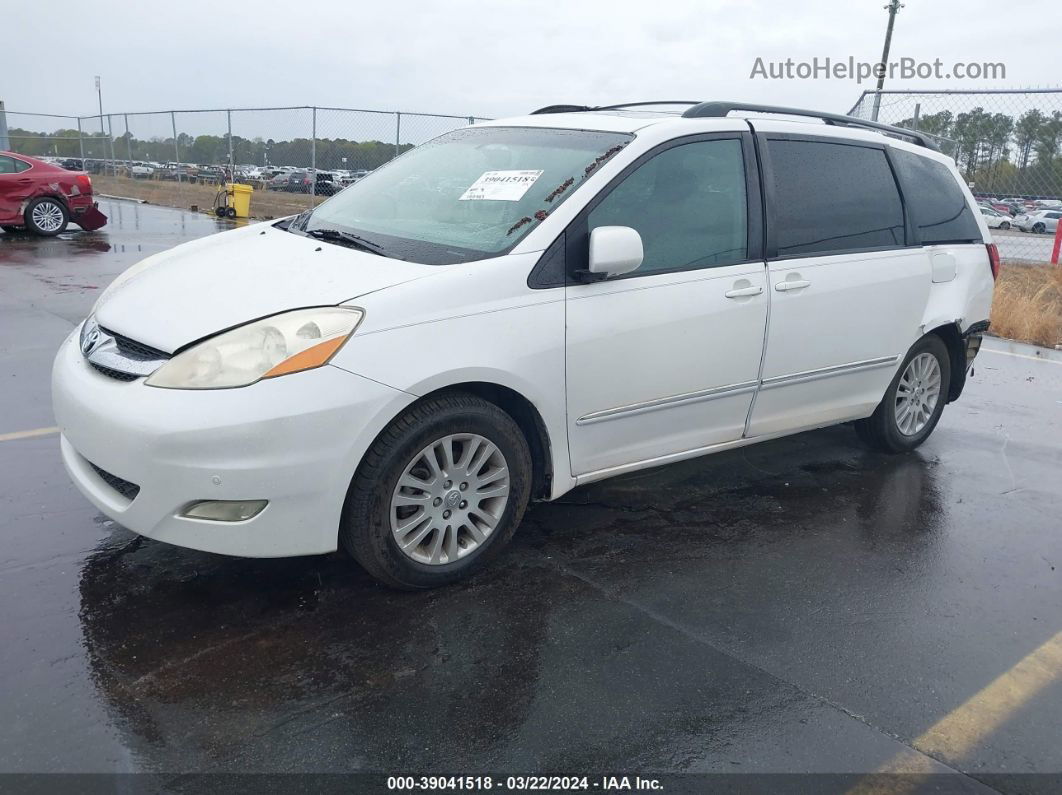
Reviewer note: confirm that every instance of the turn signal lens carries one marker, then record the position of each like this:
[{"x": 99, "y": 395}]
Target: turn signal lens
[{"x": 271, "y": 347}]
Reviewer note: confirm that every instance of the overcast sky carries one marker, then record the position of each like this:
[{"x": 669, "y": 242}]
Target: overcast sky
[{"x": 489, "y": 58}]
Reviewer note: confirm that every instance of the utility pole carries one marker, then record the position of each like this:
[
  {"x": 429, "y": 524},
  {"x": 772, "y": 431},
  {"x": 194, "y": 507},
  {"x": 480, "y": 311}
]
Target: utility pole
[
  {"x": 5, "y": 143},
  {"x": 103, "y": 132},
  {"x": 892, "y": 8}
]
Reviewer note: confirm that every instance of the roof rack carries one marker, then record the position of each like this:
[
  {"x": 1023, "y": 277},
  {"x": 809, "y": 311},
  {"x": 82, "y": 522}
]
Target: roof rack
[
  {"x": 620, "y": 106},
  {"x": 561, "y": 109},
  {"x": 701, "y": 110},
  {"x": 722, "y": 109}
]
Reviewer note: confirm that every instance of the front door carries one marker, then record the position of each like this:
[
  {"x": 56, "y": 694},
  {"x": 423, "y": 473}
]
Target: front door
[{"x": 665, "y": 360}]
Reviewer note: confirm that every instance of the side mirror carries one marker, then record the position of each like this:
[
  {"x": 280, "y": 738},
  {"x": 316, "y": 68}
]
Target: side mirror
[{"x": 614, "y": 250}]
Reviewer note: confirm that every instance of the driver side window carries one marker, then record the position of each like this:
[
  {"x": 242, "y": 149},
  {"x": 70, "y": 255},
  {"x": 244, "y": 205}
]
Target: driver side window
[{"x": 689, "y": 205}]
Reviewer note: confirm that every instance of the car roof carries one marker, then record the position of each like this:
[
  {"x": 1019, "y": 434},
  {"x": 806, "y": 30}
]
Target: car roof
[
  {"x": 631, "y": 117},
  {"x": 30, "y": 158}
]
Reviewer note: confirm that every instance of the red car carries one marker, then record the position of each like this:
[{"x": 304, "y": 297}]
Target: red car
[{"x": 43, "y": 198}]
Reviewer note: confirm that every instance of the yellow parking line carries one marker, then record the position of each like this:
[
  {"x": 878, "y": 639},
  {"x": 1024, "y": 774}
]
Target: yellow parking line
[
  {"x": 954, "y": 735},
  {"x": 10, "y": 437},
  {"x": 960, "y": 731}
]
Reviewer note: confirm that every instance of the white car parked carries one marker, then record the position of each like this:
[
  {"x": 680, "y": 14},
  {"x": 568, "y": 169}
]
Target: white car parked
[
  {"x": 1040, "y": 221},
  {"x": 141, "y": 170},
  {"x": 995, "y": 219},
  {"x": 518, "y": 308}
]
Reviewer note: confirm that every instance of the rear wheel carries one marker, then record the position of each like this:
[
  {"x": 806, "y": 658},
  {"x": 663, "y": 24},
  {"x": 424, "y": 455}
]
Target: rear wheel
[
  {"x": 46, "y": 216},
  {"x": 439, "y": 493},
  {"x": 913, "y": 402},
  {"x": 1005, "y": 225},
  {"x": 1039, "y": 228}
]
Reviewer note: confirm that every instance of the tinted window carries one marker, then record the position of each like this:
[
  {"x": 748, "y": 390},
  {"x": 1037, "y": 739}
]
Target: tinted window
[
  {"x": 7, "y": 165},
  {"x": 688, "y": 203},
  {"x": 833, "y": 197},
  {"x": 21, "y": 165},
  {"x": 935, "y": 201}
]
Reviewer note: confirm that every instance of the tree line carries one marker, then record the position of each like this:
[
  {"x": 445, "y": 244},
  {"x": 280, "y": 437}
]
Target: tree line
[
  {"x": 998, "y": 153},
  {"x": 995, "y": 151},
  {"x": 209, "y": 149}
]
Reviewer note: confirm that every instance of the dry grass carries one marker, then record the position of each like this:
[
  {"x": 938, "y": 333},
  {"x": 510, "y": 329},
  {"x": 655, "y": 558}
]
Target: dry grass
[
  {"x": 1028, "y": 304},
  {"x": 264, "y": 204}
]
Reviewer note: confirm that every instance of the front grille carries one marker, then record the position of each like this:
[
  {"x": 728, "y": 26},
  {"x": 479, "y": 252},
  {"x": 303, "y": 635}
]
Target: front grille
[
  {"x": 115, "y": 374},
  {"x": 123, "y": 487},
  {"x": 122, "y": 358},
  {"x": 132, "y": 349}
]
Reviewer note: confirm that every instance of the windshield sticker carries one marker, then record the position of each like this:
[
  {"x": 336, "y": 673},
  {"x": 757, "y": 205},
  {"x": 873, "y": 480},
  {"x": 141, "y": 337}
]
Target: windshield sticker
[{"x": 504, "y": 186}]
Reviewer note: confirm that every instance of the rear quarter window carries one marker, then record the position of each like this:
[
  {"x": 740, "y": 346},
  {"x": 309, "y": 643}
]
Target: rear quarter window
[
  {"x": 935, "y": 201},
  {"x": 831, "y": 198}
]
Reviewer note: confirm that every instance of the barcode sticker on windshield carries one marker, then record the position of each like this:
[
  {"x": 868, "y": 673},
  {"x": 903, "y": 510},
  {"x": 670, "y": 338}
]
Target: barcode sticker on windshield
[{"x": 502, "y": 186}]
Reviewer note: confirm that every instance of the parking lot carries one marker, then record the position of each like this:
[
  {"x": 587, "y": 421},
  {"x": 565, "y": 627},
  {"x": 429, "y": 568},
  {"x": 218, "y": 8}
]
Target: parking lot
[
  {"x": 1024, "y": 247},
  {"x": 801, "y": 606}
]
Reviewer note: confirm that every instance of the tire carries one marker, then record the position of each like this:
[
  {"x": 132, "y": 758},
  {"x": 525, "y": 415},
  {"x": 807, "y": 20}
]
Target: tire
[
  {"x": 890, "y": 428},
  {"x": 1039, "y": 228},
  {"x": 441, "y": 551},
  {"x": 1005, "y": 225},
  {"x": 46, "y": 216},
  {"x": 230, "y": 212}
]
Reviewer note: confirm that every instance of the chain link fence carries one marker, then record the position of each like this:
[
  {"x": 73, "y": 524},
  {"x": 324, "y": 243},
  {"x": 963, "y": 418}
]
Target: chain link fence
[
  {"x": 293, "y": 157},
  {"x": 1008, "y": 146}
]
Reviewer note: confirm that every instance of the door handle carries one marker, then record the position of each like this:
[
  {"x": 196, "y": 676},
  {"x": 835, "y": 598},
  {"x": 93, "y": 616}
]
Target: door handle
[
  {"x": 744, "y": 292},
  {"x": 795, "y": 284}
]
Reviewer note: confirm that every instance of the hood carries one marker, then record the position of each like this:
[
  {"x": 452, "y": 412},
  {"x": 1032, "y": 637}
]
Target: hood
[{"x": 200, "y": 288}]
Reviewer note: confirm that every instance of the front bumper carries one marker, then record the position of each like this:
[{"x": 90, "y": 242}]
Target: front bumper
[{"x": 294, "y": 440}]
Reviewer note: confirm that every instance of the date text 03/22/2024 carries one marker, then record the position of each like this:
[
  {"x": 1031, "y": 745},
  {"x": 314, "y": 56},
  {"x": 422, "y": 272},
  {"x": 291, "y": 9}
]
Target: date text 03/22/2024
[{"x": 522, "y": 783}]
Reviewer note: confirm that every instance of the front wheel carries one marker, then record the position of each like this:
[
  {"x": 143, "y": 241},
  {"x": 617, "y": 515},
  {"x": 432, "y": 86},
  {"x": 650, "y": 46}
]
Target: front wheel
[
  {"x": 438, "y": 494},
  {"x": 1005, "y": 225},
  {"x": 914, "y": 400},
  {"x": 46, "y": 217}
]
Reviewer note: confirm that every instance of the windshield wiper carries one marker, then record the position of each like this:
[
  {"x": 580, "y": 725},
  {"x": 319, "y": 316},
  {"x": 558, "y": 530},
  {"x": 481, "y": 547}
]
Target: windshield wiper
[
  {"x": 345, "y": 239},
  {"x": 299, "y": 221}
]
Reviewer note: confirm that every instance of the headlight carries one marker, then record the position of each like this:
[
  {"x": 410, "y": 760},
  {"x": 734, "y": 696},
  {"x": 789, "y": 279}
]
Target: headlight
[{"x": 277, "y": 345}]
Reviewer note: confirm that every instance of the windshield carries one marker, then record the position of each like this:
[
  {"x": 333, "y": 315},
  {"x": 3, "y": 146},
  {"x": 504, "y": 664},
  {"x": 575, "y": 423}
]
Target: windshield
[{"x": 469, "y": 194}]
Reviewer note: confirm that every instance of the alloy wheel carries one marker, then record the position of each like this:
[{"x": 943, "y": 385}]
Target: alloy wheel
[
  {"x": 449, "y": 499},
  {"x": 917, "y": 394},
  {"x": 47, "y": 216}
]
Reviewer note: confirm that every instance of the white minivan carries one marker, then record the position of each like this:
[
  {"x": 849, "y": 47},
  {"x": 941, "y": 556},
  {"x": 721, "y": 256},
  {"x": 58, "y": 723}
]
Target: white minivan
[{"x": 517, "y": 308}]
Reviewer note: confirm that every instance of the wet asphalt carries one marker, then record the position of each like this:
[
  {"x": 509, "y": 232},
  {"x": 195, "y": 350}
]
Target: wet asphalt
[{"x": 803, "y": 605}]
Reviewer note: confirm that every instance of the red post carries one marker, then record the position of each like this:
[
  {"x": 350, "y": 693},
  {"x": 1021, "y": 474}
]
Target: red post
[{"x": 1058, "y": 243}]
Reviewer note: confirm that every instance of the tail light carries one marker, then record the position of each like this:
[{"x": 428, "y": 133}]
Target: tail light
[
  {"x": 993, "y": 260},
  {"x": 84, "y": 184}
]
